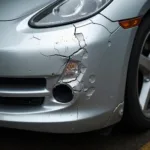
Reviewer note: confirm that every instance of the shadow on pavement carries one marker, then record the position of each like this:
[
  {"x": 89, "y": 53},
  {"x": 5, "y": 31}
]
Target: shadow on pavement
[{"x": 25, "y": 140}]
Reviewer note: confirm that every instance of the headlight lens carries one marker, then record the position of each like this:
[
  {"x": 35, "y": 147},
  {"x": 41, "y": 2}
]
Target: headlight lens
[{"x": 67, "y": 11}]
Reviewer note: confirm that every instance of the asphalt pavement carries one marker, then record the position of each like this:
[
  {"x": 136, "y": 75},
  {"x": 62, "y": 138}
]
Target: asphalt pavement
[{"x": 11, "y": 139}]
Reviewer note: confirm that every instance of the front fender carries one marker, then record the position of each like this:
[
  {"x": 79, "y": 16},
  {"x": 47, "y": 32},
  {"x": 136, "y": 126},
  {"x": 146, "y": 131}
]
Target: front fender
[{"x": 125, "y": 9}]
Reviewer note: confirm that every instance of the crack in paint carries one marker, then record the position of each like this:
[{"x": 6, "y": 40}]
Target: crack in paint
[
  {"x": 99, "y": 25},
  {"x": 57, "y": 55},
  {"x": 79, "y": 85}
]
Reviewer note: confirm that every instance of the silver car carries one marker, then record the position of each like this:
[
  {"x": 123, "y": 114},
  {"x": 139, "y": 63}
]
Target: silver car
[{"x": 70, "y": 66}]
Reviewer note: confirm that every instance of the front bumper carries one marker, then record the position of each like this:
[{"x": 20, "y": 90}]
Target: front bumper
[{"x": 102, "y": 48}]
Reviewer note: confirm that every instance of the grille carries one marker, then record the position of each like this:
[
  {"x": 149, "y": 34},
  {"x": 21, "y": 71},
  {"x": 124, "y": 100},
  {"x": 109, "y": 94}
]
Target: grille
[
  {"x": 22, "y": 83},
  {"x": 21, "y": 101},
  {"x": 22, "y": 91}
]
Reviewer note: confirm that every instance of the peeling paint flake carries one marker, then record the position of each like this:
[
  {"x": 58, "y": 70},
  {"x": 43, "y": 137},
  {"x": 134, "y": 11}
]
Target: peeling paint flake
[{"x": 81, "y": 39}]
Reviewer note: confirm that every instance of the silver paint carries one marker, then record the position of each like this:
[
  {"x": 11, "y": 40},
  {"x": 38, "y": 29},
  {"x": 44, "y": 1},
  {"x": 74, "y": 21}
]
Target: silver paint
[
  {"x": 101, "y": 47},
  {"x": 92, "y": 79}
]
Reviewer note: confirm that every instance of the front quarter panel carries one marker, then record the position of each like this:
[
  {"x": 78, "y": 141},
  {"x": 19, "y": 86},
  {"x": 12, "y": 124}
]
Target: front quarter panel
[{"x": 124, "y": 9}]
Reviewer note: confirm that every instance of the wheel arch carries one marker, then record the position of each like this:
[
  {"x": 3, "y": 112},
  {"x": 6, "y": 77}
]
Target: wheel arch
[{"x": 146, "y": 14}]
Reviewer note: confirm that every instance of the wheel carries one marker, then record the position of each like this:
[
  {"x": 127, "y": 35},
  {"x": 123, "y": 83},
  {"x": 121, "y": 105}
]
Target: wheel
[{"x": 137, "y": 97}]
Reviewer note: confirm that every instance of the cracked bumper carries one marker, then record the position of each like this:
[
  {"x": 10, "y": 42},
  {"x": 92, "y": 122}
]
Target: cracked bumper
[{"x": 44, "y": 53}]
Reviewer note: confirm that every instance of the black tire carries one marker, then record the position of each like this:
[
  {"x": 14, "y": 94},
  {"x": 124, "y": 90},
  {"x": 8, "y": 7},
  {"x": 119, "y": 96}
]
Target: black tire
[{"x": 133, "y": 115}]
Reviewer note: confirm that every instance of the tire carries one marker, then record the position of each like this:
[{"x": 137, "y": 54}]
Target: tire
[{"x": 133, "y": 114}]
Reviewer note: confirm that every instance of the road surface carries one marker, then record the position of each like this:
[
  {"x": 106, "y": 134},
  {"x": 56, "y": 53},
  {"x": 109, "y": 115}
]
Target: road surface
[{"x": 24, "y": 140}]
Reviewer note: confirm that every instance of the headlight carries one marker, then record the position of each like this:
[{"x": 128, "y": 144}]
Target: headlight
[{"x": 61, "y": 12}]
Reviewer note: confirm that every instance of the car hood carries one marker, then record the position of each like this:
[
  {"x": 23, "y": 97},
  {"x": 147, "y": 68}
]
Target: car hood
[{"x": 13, "y": 9}]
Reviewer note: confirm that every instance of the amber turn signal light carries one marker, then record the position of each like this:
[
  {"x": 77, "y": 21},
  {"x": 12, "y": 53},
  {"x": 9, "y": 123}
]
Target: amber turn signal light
[{"x": 130, "y": 23}]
